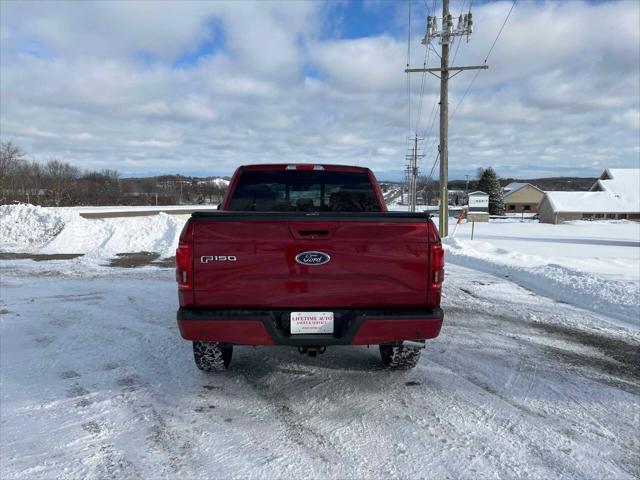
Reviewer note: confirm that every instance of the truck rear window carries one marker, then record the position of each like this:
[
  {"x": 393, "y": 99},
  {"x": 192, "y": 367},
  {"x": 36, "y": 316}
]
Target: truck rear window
[{"x": 304, "y": 191}]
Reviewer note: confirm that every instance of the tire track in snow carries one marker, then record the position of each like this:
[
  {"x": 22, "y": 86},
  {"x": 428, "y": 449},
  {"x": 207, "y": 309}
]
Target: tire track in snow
[{"x": 299, "y": 431}]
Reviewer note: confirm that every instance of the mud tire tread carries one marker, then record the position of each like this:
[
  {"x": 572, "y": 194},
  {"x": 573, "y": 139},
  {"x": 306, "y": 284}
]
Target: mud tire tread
[
  {"x": 212, "y": 356},
  {"x": 400, "y": 357}
]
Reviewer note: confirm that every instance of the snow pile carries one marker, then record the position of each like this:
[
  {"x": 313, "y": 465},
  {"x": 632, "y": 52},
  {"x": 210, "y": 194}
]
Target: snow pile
[
  {"x": 26, "y": 227},
  {"x": 31, "y": 229},
  {"x": 104, "y": 238},
  {"x": 618, "y": 299},
  {"x": 220, "y": 182}
]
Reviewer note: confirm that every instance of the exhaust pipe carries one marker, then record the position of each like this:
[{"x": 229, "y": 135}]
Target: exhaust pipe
[{"x": 414, "y": 343}]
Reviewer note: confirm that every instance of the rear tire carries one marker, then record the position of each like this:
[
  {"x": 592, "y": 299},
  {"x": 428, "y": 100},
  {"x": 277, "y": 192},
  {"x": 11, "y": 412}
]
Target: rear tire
[
  {"x": 400, "y": 357},
  {"x": 212, "y": 356}
]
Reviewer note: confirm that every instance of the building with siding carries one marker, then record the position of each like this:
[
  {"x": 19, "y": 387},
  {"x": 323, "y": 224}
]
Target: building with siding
[
  {"x": 615, "y": 195},
  {"x": 522, "y": 198}
]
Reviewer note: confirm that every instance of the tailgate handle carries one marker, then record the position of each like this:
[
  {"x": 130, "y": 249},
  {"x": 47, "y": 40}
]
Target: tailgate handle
[
  {"x": 312, "y": 230},
  {"x": 313, "y": 233}
]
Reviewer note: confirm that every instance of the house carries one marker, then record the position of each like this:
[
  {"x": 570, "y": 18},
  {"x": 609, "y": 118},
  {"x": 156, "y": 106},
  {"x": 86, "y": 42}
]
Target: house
[
  {"x": 615, "y": 195},
  {"x": 522, "y": 197}
]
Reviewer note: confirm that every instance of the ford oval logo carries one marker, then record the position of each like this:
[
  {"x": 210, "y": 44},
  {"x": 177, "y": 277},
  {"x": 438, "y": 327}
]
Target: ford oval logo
[{"x": 312, "y": 258}]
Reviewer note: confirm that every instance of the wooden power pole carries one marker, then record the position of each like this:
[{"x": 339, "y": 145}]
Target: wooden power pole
[
  {"x": 446, "y": 34},
  {"x": 412, "y": 174}
]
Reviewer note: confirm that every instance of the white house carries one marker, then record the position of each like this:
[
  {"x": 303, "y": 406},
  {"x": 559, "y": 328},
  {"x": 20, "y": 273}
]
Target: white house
[{"x": 615, "y": 195}]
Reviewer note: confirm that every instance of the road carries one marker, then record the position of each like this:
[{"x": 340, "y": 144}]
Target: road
[{"x": 97, "y": 383}]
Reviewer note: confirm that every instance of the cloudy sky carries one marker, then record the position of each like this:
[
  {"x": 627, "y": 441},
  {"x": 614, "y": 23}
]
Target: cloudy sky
[{"x": 199, "y": 88}]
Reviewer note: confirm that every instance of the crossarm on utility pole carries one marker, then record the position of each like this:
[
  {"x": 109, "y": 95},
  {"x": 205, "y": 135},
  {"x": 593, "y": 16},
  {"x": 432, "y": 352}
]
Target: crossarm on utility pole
[{"x": 441, "y": 69}]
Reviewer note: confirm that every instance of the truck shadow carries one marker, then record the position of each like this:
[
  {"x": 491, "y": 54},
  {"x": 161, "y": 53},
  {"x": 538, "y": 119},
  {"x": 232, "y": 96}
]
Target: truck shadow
[{"x": 287, "y": 359}]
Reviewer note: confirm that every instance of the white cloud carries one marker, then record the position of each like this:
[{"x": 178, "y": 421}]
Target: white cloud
[
  {"x": 369, "y": 64},
  {"x": 96, "y": 84},
  {"x": 629, "y": 118}
]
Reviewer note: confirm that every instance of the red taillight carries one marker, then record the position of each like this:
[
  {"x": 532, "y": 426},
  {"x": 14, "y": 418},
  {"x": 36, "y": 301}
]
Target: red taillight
[
  {"x": 436, "y": 264},
  {"x": 184, "y": 266},
  {"x": 436, "y": 273}
]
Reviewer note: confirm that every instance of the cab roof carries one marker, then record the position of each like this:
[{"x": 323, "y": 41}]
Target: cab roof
[{"x": 304, "y": 166}]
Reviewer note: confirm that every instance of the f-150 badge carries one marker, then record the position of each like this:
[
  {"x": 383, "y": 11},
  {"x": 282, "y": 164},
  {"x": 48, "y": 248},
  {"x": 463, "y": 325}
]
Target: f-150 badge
[
  {"x": 218, "y": 258},
  {"x": 312, "y": 258}
]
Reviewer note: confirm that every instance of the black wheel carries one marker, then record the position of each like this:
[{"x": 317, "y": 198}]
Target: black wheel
[
  {"x": 400, "y": 357},
  {"x": 212, "y": 356}
]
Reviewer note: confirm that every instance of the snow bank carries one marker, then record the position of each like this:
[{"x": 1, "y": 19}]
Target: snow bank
[
  {"x": 104, "y": 238},
  {"x": 617, "y": 299},
  {"x": 26, "y": 227},
  {"x": 31, "y": 229}
]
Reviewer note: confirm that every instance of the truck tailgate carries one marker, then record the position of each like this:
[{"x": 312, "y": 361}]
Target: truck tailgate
[{"x": 249, "y": 260}]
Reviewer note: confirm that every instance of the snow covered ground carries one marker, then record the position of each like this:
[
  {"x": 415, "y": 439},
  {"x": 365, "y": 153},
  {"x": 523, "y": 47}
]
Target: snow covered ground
[
  {"x": 96, "y": 382},
  {"x": 593, "y": 265}
]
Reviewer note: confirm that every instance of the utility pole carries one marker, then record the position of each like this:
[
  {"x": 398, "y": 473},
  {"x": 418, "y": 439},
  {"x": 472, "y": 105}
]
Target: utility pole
[
  {"x": 412, "y": 174},
  {"x": 444, "y": 122},
  {"x": 464, "y": 28}
]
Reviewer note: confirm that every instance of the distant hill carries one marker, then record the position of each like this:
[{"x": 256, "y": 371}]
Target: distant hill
[{"x": 580, "y": 184}]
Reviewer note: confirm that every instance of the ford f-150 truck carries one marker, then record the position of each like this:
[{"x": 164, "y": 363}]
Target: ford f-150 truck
[{"x": 308, "y": 256}]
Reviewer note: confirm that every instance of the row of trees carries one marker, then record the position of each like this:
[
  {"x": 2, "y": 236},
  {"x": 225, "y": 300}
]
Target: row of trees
[{"x": 57, "y": 183}]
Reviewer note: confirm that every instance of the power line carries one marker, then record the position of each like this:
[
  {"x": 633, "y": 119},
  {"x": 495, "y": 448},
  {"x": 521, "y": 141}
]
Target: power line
[
  {"x": 434, "y": 166},
  {"x": 422, "y": 84},
  {"x": 485, "y": 58},
  {"x": 430, "y": 177},
  {"x": 500, "y": 32}
]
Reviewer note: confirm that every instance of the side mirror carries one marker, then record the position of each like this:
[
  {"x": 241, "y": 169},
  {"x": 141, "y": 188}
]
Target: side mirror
[{"x": 219, "y": 206}]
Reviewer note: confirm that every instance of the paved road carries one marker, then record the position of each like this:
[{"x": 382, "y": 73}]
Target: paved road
[{"x": 96, "y": 383}]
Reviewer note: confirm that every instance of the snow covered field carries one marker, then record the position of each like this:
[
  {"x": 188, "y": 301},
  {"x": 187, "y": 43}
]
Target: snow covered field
[
  {"x": 593, "y": 265},
  {"x": 96, "y": 381}
]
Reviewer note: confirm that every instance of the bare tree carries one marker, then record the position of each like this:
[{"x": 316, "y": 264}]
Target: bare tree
[
  {"x": 11, "y": 157},
  {"x": 427, "y": 189},
  {"x": 58, "y": 183},
  {"x": 28, "y": 183},
  {"x": 61, "y": 178}
]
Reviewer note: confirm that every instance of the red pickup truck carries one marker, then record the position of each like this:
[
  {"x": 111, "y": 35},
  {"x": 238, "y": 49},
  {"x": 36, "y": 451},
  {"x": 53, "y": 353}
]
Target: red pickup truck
[{"x": 308, "y": 256}]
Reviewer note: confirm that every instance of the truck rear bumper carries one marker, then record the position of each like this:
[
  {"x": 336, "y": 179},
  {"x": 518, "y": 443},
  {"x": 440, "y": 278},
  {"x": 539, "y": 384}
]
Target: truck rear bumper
[{"x": 271, "y": 327}]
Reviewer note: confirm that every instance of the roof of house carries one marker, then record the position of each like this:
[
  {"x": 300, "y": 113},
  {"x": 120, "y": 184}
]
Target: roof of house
[
  {"x": 513, "y": 187},
  {"x": 621, "y": 181},
  {"x": 477, "y": 192},
  {"x": 617, "y": 191}
]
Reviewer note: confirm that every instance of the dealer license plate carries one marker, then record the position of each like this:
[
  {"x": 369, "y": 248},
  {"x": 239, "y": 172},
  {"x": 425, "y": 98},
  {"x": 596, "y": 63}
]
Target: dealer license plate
[{"x": 311, "y": 322}]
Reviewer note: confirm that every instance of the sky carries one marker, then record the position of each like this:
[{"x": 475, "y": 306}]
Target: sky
[{"x": 199, "y": 88}]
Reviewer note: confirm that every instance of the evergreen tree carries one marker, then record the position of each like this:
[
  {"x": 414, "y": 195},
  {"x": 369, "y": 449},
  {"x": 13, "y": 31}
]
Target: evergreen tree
[{"x": 489, "y": 184}]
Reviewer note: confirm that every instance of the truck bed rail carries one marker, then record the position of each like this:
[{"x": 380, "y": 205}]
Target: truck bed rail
[{"x": 311, "y": 216}]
